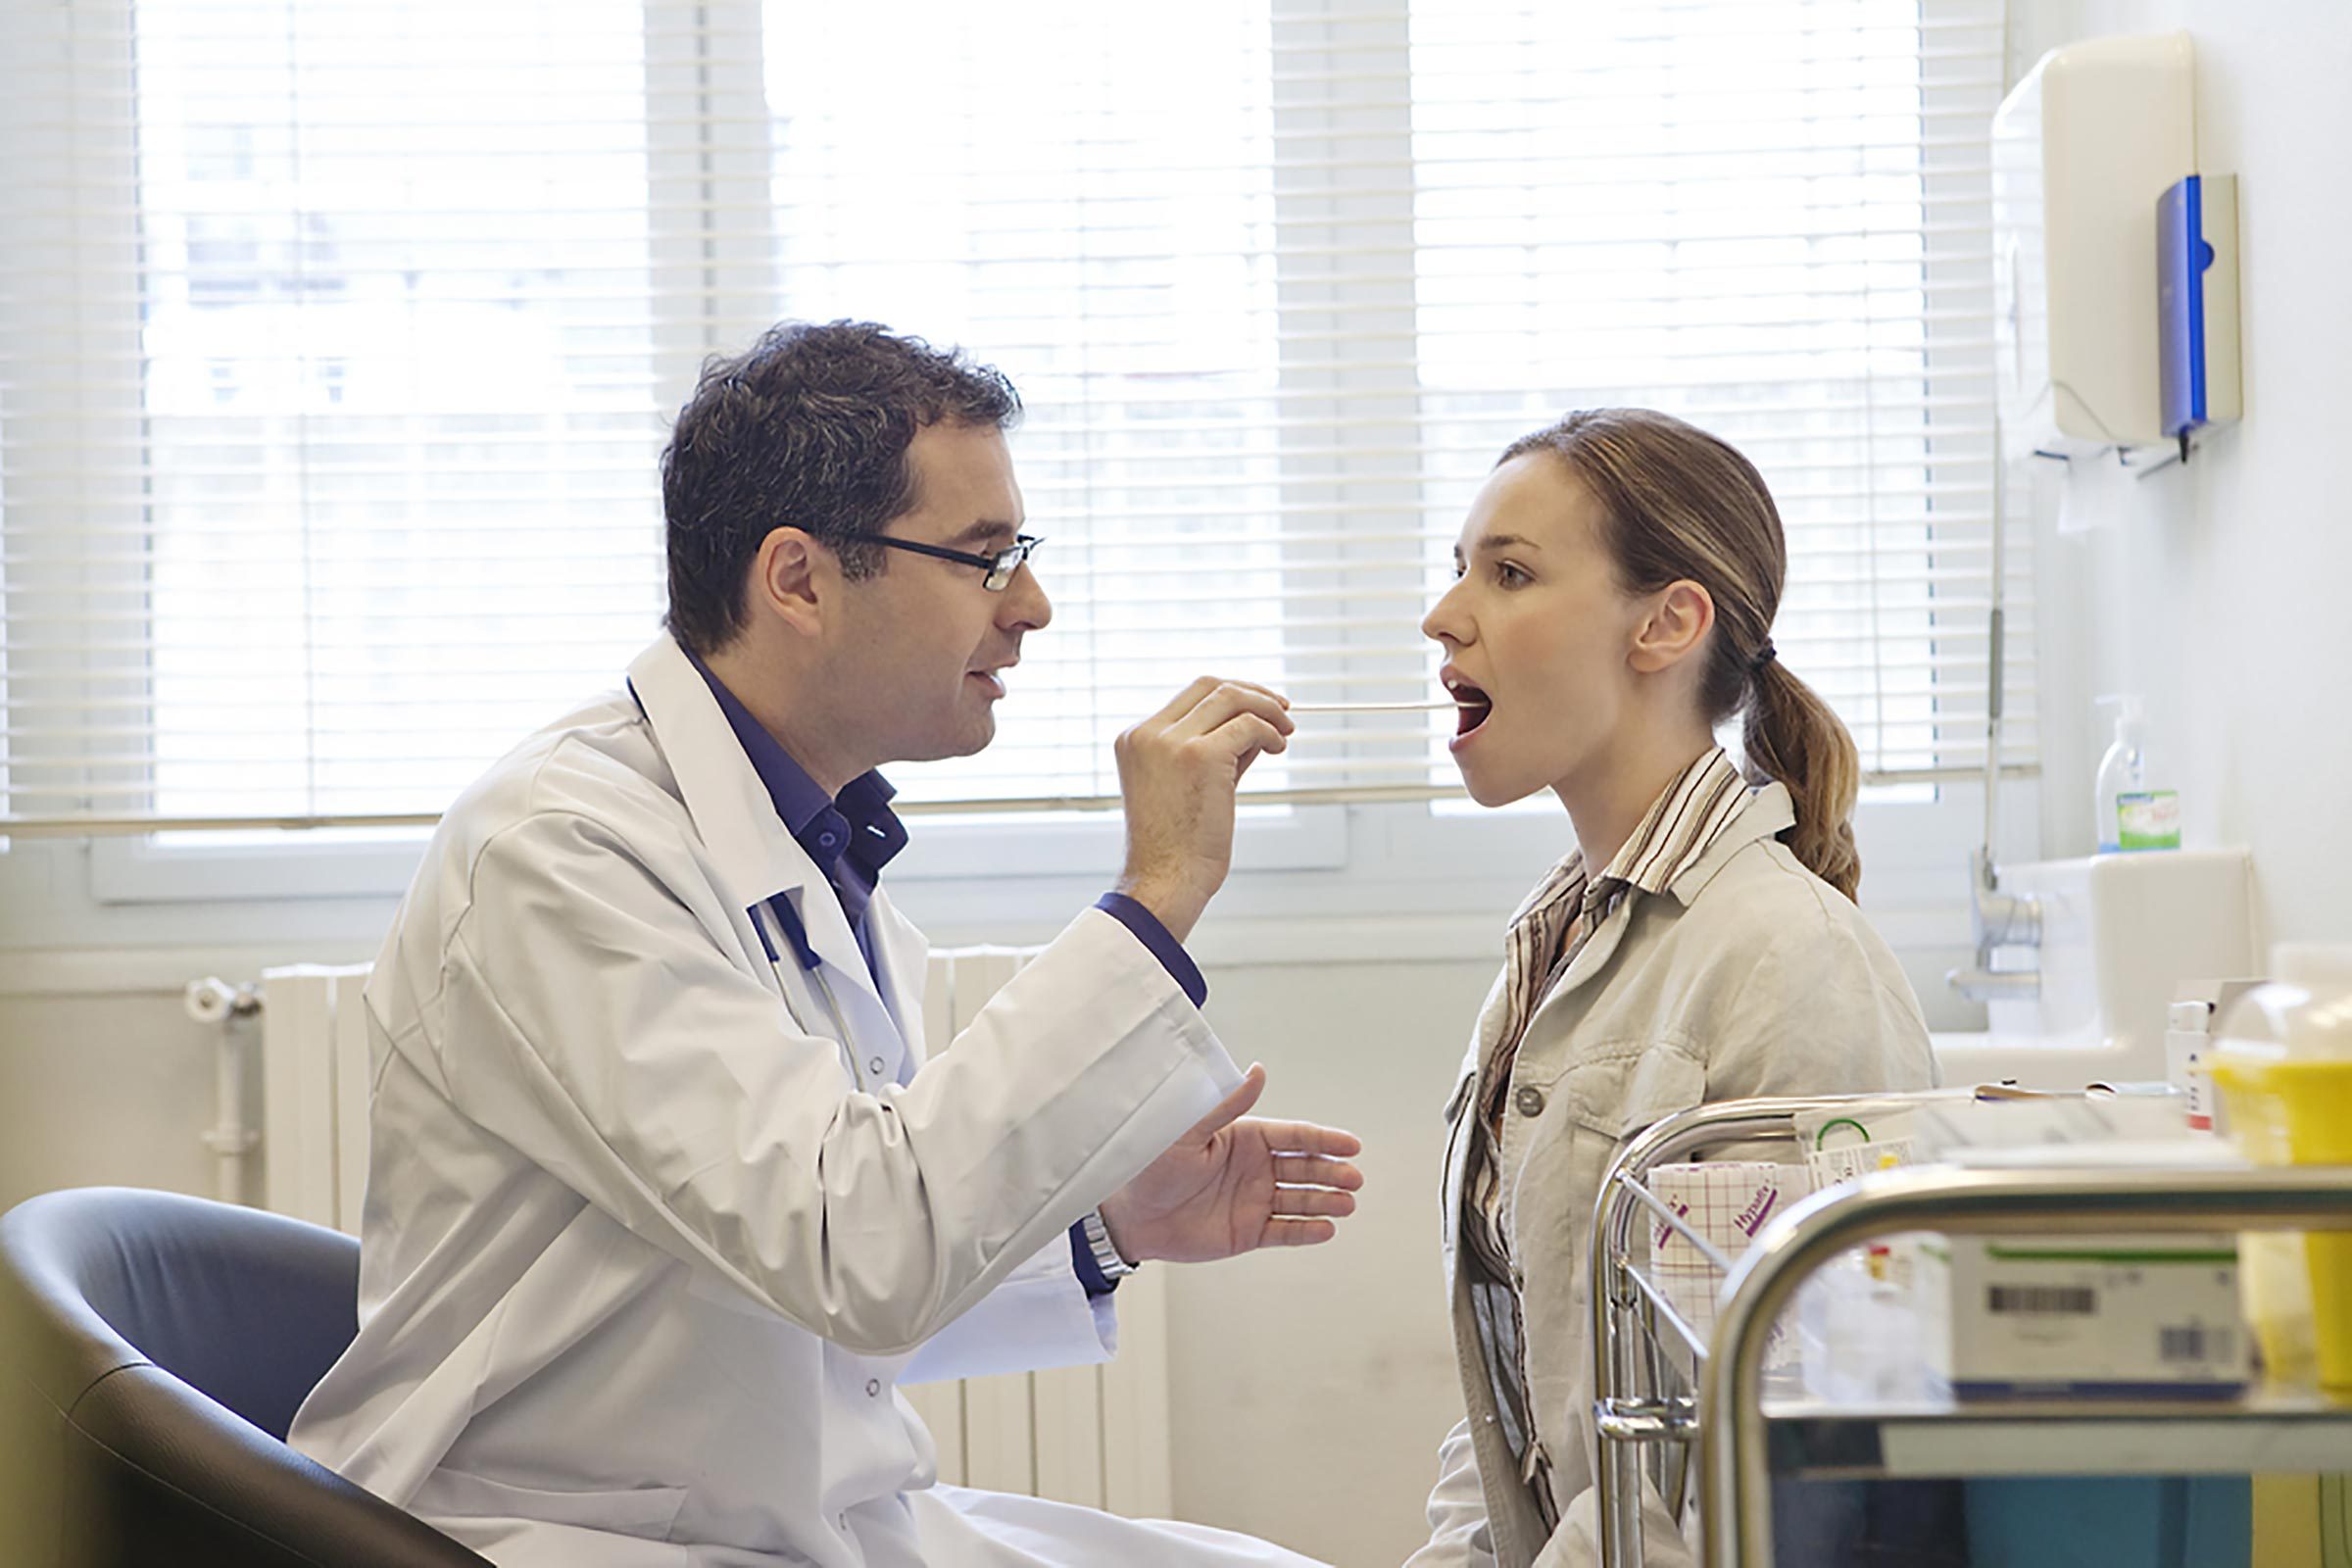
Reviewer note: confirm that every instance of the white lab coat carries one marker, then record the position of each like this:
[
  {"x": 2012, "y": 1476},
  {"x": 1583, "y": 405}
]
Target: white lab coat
[{"x": 655, "y": 1225}]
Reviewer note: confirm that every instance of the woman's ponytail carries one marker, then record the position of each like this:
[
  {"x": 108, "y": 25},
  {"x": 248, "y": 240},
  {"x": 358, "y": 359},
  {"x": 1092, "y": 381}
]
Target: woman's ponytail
[{"x": 1792, "y": 736}]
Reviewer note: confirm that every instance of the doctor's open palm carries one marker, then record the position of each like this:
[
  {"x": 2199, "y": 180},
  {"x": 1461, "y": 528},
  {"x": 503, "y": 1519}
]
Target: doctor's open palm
[{"x": 1234, "y": 1183}]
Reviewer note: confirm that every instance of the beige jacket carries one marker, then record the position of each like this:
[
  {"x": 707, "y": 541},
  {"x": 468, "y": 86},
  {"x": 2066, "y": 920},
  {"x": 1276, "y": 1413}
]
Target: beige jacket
[{"x": 1749, "y": 976}]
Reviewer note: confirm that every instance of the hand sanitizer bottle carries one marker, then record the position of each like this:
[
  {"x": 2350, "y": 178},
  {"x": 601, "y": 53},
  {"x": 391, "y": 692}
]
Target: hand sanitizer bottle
[{"x": 2131, "y": 813}]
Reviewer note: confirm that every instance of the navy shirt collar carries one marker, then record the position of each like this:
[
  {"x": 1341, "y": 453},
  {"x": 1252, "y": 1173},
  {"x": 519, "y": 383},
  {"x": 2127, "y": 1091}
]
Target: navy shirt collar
[{"x": 859, "y": 823}]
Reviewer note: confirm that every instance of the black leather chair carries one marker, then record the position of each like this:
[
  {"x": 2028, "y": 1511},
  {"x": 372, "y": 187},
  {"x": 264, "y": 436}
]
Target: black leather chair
[{"x": 153, "y": 1351}]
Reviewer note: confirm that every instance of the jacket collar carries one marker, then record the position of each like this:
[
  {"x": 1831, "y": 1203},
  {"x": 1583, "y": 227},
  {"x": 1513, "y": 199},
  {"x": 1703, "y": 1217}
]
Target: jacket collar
[
  {"x": 1769, "y": 812},
  {"x": 754, "y": 857},
  {"x": 1765, "y": 814}
]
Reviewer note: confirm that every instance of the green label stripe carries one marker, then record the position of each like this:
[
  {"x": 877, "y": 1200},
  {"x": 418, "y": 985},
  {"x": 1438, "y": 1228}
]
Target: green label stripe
[{"x": 2035, "y": 1255}]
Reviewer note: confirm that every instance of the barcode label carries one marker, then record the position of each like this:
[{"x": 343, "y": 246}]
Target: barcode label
[
  {"x": 2190, "y": 1343},
  {"x": 2070, "y": 1301}
]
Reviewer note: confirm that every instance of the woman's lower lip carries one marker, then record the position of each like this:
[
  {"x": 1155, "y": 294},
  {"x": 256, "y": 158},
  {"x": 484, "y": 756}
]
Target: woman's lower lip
[
  {"x": 994, "y": 684},
  {"x": 1457, "y": 742}
]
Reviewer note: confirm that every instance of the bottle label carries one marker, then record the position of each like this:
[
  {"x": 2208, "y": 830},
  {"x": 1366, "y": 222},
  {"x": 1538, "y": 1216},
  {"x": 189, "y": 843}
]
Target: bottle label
[{"x": 2148, "y": 819}]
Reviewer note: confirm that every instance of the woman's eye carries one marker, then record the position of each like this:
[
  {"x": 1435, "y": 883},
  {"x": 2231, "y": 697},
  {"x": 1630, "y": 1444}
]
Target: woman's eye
[{"x": 1511, "y": 577}]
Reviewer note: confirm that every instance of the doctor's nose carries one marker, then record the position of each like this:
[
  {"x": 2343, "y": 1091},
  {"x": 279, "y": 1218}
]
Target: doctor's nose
[{"x": 1026, "y": 607}]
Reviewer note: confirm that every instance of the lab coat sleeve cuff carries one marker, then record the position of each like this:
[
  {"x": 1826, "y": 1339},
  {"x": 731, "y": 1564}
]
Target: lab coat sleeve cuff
[
  {"x": 1161, "y": 944},
  {"x": 1038, "y": 1319}
]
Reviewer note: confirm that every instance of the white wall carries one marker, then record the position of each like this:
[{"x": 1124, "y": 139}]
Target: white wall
[{"x": 2222, "y": 589}]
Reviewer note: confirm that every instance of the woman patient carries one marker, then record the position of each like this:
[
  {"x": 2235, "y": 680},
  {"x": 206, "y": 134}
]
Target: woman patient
[{"x": 1616, "y": 581}]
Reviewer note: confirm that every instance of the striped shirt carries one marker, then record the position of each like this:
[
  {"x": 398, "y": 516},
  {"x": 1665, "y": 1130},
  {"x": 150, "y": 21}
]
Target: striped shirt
[{"x": 1549, "y": 930}]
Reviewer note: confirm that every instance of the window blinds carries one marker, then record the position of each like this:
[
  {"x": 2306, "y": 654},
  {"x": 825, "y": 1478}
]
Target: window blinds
[{"x": 337, "y": 343}]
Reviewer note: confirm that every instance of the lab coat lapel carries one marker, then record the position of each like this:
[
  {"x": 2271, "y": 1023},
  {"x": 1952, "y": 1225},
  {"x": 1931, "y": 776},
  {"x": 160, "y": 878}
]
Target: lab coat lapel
[
  {"x": 830, "y": 938},
  {"x": 903, "y": 955},
  {"x": 755, "y": 858}
]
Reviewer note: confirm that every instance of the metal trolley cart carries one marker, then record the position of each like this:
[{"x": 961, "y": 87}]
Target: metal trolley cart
[{"x": 1659, "y": 1423}]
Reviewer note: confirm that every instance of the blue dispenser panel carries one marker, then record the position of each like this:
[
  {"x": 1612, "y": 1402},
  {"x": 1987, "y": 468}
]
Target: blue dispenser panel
[{"x": 2182, "y": 255}]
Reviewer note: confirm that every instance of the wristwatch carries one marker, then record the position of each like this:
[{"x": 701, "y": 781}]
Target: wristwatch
[{"x": 1106, "y": 1254}]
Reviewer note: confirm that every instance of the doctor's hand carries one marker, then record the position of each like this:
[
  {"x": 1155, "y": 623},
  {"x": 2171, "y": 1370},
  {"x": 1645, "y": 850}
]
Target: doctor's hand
[
  {"x": 1177, "y": 774},
  {"x": 1234, "y": 1183}
]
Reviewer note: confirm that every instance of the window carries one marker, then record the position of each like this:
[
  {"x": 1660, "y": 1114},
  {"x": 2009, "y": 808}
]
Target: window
[
  {"x": 1767, "y": 216},
  {"x": 332, "y": 398}
]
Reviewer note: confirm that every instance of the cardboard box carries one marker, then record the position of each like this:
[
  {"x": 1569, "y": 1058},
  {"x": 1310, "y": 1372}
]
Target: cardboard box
[{"x": 2107, "y": 1316}]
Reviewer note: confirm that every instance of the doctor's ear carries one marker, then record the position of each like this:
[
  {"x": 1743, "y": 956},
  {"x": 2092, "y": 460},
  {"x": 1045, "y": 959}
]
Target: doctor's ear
[
  {"x": 1681, "y": 613},
  {"x": 787, "y": 579}
]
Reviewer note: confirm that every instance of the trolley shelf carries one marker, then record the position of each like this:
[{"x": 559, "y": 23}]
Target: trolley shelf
[
  {"x": 2260, "y": 1433},
  {"x": 1673, "y": 1409}
]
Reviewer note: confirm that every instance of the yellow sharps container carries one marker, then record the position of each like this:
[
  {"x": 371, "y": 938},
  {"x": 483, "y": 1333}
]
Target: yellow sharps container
[{"x": 2284, "y": 1063}]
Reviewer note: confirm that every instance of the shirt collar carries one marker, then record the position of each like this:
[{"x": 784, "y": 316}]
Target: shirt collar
[
  {"x": 858, "y": 822},
  {"x": 1674, "y": 834},
  {"x": 1679, "y": 824}
]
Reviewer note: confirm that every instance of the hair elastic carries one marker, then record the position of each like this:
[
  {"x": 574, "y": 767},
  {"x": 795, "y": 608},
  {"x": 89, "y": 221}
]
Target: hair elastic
[{"x": 1764, "y": 655}]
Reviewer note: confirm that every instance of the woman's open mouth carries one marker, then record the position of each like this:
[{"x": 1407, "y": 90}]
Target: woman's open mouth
[{"x": 1471, "y": 707}]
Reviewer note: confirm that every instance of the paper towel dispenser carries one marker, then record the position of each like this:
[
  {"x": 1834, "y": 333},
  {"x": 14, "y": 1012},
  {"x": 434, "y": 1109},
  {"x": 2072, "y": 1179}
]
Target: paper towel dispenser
[{"x": 2084, "y": 150}]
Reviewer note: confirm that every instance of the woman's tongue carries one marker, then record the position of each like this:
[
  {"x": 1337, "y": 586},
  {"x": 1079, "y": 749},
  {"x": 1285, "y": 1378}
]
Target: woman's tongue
[{"x": 1471, "y": 711}]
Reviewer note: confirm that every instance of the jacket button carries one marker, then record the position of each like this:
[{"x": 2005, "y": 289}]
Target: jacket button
[
  {"x": 1529, "y": 1100},
  {"x": 873, "y": 1387}
]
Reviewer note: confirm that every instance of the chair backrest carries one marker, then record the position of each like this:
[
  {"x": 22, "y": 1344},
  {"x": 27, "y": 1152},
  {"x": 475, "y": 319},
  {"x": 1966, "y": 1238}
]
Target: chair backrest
[{"x": 153, "y": 1351}]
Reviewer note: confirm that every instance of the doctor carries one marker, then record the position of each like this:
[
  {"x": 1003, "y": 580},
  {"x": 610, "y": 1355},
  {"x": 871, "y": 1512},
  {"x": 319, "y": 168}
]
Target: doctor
[{"x": 667, "y": 1192}]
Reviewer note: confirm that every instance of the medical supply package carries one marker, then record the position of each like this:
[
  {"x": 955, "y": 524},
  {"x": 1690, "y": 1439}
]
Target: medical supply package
[
  {"x": 2106, "y": 1316},
  {"x": 1726, "y": 1202}
]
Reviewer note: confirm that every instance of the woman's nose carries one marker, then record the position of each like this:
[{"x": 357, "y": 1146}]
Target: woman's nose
[{"x": 1442, "y": 623}]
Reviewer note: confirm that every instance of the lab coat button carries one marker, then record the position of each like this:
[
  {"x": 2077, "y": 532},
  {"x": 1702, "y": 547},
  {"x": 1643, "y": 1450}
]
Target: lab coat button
[
  {"x": 873, "y": 1387},
  {"x": 874, "y": 1065},
  {"x": 1530, "y": 1101}
]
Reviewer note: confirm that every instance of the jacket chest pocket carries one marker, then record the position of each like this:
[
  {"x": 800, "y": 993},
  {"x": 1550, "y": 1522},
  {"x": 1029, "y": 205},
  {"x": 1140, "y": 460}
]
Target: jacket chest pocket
[
  {"x": 1558, "y": 1156},
  {"x": 1616, "y": 1094}
]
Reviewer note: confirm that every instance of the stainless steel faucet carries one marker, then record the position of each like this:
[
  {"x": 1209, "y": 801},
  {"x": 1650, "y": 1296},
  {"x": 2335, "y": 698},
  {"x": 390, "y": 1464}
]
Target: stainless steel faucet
[{"x": 1999, "y": 920}]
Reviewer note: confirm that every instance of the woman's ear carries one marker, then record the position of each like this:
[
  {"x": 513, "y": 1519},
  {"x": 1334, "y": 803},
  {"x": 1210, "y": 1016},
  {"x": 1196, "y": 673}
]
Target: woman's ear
[
  {"x": 1680, "y": 617},
  {"x": 786, "y": 580}
]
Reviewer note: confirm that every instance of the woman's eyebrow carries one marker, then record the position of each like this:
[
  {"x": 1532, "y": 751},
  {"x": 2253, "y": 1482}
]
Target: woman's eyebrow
[{"x": 1503, "y": 541}]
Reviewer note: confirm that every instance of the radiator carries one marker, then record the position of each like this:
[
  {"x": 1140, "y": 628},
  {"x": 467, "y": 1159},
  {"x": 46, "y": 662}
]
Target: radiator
[
  {"x": 1092, "y": 1434},
  {"x": 314, "y": 1093}
]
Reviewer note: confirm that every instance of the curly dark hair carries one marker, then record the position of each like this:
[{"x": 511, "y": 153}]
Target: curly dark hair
[{"x": 808, "y": 426}]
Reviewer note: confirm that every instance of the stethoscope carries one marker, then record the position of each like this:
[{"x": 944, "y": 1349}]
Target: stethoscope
[{"x": 807, "y": 962}]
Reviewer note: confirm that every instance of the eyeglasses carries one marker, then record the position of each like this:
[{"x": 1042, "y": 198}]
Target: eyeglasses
[{"x": 1000, "y": 566}]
